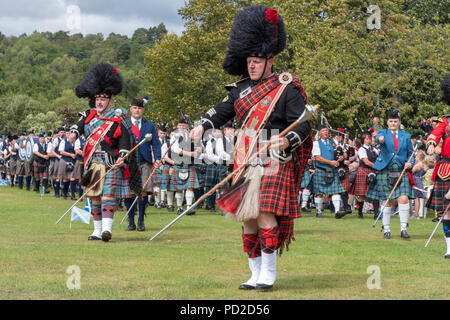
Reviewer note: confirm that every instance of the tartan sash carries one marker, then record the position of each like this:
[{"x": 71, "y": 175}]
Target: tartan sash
[
  {"x": 93, "y": 141},
  {"x": 266, "y": 95}
]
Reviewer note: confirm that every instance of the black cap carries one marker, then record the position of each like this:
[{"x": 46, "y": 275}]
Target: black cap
[
  {"x": 322, "y": 126},
  {"x": 138, "y": 102},
  {"x": 393, "y": 114},
  {"x": 182, "y": 120}
]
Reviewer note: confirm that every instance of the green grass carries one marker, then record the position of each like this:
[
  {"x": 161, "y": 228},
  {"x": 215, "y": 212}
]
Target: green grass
[{"x": 201, "y": 257}]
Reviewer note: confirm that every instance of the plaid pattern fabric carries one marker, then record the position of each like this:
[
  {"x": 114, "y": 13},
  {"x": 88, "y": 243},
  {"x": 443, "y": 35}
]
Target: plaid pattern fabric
[
  {"x": 381, "y": 188},
  {"x": 28, "y": 168},
  {"x": 40, "y": 175},
  {"x": 161, "y": 177},
  {"x": 200, "y": 169},
  {"x": 306, "y": 180},
  {"x": 176, "y": 184},
  {"x": 62, "y": 172},
  {"x": 20, "y": 167},
  {"x": 215, "y": 174},
  {"x": 319, "y": 186},
  {"x": 12, "y": 167},
  {"x": 360, "y": 185},
  {"x": 53, "y": 169},
  {"x": 115, "y": 185},
  {"x": 437, "y": 199},
  {"x": 345, "y": 182},
  {"x": 259, "y": 91}
]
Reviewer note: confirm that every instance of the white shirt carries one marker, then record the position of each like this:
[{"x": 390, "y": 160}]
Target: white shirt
[
  {"x": 139, "y": 124},
  {"x": 77, "y": 144},
  {"x": 362, "y": 152},
  {"x": 220, "y": 154},
  {"x": 36, "y": 147},
  {"x": 316, "y": 148}
]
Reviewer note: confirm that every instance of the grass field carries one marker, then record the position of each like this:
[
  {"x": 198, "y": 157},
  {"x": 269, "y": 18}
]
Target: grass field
[{"x": 201, "y": 257}]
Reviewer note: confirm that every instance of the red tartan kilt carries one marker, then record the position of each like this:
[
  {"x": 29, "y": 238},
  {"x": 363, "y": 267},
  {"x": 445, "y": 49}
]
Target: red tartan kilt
[
  {"x": 280, "y": 184},
  {"x": 360, "y": 185},
  {"x": 346, "y": 183}
]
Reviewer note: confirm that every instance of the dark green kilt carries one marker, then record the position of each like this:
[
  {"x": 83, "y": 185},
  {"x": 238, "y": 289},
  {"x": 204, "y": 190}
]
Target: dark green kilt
[
  {"x": 320, "y": 186},
  {"x": 381, "y": 188},
  {"x": 306, "y": 180},
  {"x": 214, "y": 174}
]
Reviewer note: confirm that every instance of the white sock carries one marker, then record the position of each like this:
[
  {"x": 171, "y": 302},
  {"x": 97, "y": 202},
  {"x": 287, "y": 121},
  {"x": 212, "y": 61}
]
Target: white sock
[
  {"x": 179, "y": 196},
  {"x": 189, "y": 197},
  {"x": 447, "y": 239},
  {"x": 163, "y": 195},
  {"x": 387, "y": 211},
  {"x": 403, "y": 213},
  {"x": 157, "y": 192},
  {"x": 170, "y": 195},
  {"x": 97, "y": 228},
  {"x": 336, "y": 199},
  {"x": 305, "y": 196},
  {"x": 318, "y": 202}
]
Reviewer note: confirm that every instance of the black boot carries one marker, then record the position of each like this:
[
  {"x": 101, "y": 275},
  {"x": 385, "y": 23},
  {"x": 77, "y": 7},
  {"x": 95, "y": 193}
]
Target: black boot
[{"x": 360, "y": 210}]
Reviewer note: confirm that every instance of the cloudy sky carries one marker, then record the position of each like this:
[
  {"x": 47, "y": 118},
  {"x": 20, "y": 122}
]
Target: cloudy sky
[{"x": 88, "y": 16}]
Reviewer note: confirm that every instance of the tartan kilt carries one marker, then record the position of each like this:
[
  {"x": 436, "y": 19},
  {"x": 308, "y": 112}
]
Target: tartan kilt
[
  {"x": 381, "y": 188},
  {"x": 176, "y": 184},
  {"x": 360, "y": 186},
  {"x": 12, "y": 167},
  {"x": 306, "y": 180},
  {"x": 20, "y": 167},
  {"x": 28, "y": 168},
  {"x": 215, "y": 174},
  {"x": 53, "y": 169},
  {"x": 40, "y": 175},
  {"x": 63, "y": 174},
  {"x": 161, "y": 177},
  {"x": 76, "y": 173},
  {"x": 437, "y": 199},
  {"x": 146, "y": 169},
  {"x": 200, "y": 169},
  {"x": 319, "y": 186},
  {"x": 345, "y": 182},
  {"x": 115, "y": 184}
]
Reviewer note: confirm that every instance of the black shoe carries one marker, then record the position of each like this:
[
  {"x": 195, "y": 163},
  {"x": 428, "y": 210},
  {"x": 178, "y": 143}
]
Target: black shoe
[
  {"x": 306, "y": 209},
  {"x": 131, "y": 227},
  {"x": 94, "y": 238},
  {"x": 404, "y": 234},
  {"x": 157, "y": 206},
  {"x": 106, "y": 236},
  {"x": 163, "y": 204},
  {"x": 348, "y": 210},
  {"x": 141, "y": 226},
  {"x": 375, "y": 216},
  {"x": 387, "y": 235},
  {"x": 73, "y": 198},
  {"x": 319, "y": 215},
  {"x": 245, "y": 286},
  {"x": 170, "y": 208},
  {"x": 191, "y": 213},
  {"x": 264, "y": 287},
  {"x": 179, "y": 211},
  {"x": 213, "y": 209},
  {"x": 360, "y": 216},
  {"x": 447, "y": 256},
  {"x": 436, "y": 219},
  {"x": 339, "y": 214}
]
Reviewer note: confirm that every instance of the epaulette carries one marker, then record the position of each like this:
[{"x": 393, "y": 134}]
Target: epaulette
[{"x": 234, "y": 84}]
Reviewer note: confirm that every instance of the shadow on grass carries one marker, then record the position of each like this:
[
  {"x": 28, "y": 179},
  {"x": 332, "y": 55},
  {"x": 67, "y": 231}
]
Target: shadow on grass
[{"x": 308, "y": 282}]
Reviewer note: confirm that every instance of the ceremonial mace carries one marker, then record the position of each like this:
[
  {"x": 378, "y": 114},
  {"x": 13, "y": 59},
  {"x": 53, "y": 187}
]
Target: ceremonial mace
[
  {"x": 395, "y": 186},
  {"x": 148, "y": 137},
  {"x": 309, "y": 113},
  {"x": 437, "y": 225},
  {"x": 151, "y": 174}
]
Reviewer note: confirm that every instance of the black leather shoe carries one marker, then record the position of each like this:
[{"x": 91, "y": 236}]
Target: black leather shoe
[
  {"x": 131, "y": 227},
  {"x": 447, "y": 256},
  {"x": 319, "y": 215},
  {"x": 264, "y": 287},
  {"x": 404, "y": 234},
  {"x": 306, "y": 209},
  {"x": 157, "y": 206},
  {"x": 170, "y": 208},
  {"x": 106, "y": 236},
  {"x": 245, "y": 286},
  {"x": 94, "y": 238},
  {"x": 339, "y": 214},
  {"x": 190, "y": 213},
  {"x": 179, "y": 211},
  {"x": 213, "y": 209},
  {"x": 141, "y": 226},
  {"x": 360, "y": 216},
  {"x": 387, "y": 235}
]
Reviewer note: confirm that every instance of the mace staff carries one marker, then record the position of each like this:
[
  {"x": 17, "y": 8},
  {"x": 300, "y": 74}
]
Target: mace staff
[
  {"x": 437, "y": 225},
  {"x": 148, "y": 137},
  {"x": 395, "y": 186},
  {"x": 309, "y": 113}
]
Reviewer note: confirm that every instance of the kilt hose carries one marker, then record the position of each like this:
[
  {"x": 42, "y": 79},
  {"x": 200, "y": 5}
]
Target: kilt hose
[
  {"x": 320, "y": 186},
  {"x": 360, "y": 186},
  {"x": 177, "y": 184},
  {"x": 115, "y": 184},
  {"x": 381, "y": 188},
  {"x": 214, "y": 174},
  {"x": 437, "y": 199},
  {"x": 161, "y": 177}
]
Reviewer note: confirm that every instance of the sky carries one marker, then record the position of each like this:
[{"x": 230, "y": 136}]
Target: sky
[{"x": 88, "y": 16}]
